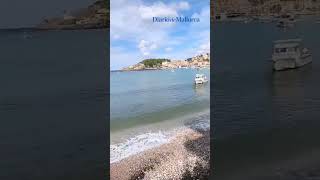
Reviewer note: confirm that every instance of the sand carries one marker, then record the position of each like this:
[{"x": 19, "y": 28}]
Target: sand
[{"x": 186, "y": 156}]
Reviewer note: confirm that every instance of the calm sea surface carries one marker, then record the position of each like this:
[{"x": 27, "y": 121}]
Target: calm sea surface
[
  {"x": 157, "y": 95},
  {"x": 53, "y": 105},
  {"x": 155, "y": 102},
  {"x": 261, "y": 116}
]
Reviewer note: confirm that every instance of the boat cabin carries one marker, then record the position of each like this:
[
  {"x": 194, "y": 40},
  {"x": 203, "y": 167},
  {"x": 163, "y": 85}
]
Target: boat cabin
[
  {"x": 289, "y": 54},
  {"x": 200, "y": 79},
  {"x": 287, "y": 48},
  {"x": 198, "y": 76}
]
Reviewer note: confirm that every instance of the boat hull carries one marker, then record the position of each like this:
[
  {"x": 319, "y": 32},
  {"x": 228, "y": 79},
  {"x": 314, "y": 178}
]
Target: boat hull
[
  {"x": 201, "y": 82},
  {"x": 285, "y": 64}
]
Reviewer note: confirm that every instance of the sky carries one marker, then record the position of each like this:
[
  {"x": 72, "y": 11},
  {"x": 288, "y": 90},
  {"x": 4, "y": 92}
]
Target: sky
[
  {"x": 27, "y": 13},
  {"x": 134, "y": 37}
]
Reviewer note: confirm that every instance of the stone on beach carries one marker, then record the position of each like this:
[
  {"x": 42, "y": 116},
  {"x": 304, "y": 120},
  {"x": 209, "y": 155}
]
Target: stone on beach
[{"x": 185, "y": 156}]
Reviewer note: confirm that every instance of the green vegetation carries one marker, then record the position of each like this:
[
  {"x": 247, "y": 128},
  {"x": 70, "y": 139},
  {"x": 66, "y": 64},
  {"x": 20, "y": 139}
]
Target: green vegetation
[{"x": 152, "y": 63}]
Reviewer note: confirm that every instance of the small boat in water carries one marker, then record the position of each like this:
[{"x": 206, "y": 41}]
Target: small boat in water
[
  {"x": 286, "y": 23},
  {"x": 200, "y": 79},
  {"x": 26, "y": 35},
  {"x": 290, "y": 54}
]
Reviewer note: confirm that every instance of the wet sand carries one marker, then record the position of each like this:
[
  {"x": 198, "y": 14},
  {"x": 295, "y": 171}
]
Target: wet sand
[{"x": 186, "y": 156}]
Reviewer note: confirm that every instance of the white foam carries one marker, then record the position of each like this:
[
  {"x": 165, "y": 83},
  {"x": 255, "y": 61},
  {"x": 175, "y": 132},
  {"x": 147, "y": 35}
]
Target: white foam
[
  {"x": 137, "y": 144},
  {"x": 202, "y": 125},
  {"x": 145, "y": 141}
]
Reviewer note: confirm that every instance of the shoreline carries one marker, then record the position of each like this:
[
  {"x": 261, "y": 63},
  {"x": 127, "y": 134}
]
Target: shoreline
[
  {"x": 34, "y": 29},
  {"x": 157, "y": 69},
  {"x": 186, "y": 155},
  {"x": 267, "y": 19},
  {"x": 137, "y": 139}
]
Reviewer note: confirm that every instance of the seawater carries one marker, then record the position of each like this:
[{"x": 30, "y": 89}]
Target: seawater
[
  {"x": 148, "y": 107},
  {"x": 260, "y": 116},
  {"x": 52, "y": 104}
]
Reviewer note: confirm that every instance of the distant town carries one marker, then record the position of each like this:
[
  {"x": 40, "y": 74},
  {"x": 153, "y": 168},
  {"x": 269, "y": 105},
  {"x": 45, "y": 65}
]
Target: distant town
[
  {"x": 200, "y": 61},
  {"x": 96, "y": 16}
]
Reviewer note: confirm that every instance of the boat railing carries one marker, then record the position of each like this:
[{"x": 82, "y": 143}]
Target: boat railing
[{"x": 286, "y": 55}]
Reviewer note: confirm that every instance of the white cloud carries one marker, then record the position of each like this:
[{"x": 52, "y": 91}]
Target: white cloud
[
  {"x": 115, "y": 36},
  {"x": 122, "y": 57},
  {"x": 132, "y": 19},
  {"x": 183, "y": 5},
  {"x": 204, "y": 48},
  {"x": 146, "y": 47},
  {"x": 168, "y": 49},
  {"x": 157, "y": 10},
  {"x": 131, "y": 25}
]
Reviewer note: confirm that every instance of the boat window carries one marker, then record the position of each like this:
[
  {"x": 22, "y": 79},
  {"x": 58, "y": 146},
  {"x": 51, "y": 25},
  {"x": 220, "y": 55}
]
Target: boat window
[
  {"x": 280, "y": 50},
  {"x": 293, "y": 49},
  {"x": 283, "y": 50}
]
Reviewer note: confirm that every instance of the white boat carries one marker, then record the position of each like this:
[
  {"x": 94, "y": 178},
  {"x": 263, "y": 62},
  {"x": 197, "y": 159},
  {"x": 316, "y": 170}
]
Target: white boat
[
  {"x": 200, "y": 79},
  {"x": 290, "y": 54},
  {"x": 247, "y": 20}
]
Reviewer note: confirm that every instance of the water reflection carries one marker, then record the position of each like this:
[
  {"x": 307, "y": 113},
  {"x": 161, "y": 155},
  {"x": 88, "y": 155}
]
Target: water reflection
[
  {"x": 201, "y": 89},
  {"x": 289, "y": 94},
  {"x": 290, "y": 83}
]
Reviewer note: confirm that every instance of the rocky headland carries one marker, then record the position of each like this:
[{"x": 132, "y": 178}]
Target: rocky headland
[{"x": 96, "y": 16}]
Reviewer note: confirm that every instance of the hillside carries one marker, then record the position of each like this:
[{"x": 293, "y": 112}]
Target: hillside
[{"x": 96, "y": 16}]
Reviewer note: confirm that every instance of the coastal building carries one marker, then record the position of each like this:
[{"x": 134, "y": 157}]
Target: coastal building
[
  {"x": 200, "y": 61},
  {"x": 202, "y": 57},
  {"x": 174, "y": 64}
]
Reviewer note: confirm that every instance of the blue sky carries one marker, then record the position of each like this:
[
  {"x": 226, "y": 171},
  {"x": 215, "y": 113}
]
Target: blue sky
[{"x": 134, "y": 37}]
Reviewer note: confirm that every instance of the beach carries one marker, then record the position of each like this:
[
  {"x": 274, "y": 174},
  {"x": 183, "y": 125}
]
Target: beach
[
  {"x": 152, "y": 105},
  {"x": 187, "y": 155},
  {"x": 159, "y": 118}
]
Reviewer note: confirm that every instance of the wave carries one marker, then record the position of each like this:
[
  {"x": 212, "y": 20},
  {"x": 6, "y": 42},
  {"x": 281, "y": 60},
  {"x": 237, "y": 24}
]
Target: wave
[
  {"x": 137, "y": 144},
  {"x": 148, "y": 140}
]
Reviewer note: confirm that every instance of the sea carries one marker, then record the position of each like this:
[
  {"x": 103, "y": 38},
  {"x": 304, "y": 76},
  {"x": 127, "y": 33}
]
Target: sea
[
  {"x": 147, "y": 108},
  {"x": 53, "y": 104},
  {"x": 262, "y": 118}
]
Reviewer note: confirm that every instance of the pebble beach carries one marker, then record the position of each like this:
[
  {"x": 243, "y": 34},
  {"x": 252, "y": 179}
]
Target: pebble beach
[{"x": 186, "y": 156}]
